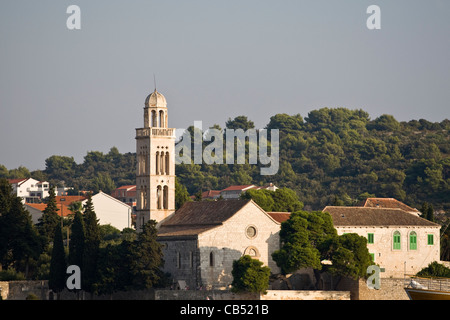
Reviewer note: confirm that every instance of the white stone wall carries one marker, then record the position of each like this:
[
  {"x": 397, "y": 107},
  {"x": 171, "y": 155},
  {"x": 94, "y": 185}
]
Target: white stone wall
[
  {"x": 230, "y": 241},
  {"x": 398, "y": 262}
]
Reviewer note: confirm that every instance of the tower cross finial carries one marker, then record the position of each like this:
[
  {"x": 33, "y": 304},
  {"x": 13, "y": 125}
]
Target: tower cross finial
[{"x": 154, "y": 80}]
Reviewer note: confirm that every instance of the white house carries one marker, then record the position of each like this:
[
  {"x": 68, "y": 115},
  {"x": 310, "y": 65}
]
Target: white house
[
  {"x": 109, "y": 210},
  {"x": 234, "y": 192},
  {"x": 399, "y": 242},
  {"x": 29, "y": 189}
]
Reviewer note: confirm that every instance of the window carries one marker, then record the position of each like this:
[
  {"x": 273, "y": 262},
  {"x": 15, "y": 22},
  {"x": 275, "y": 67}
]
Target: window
[
  {"x": 211, "y": 259},
  {"x": 372, "y": 255},
  {"x": 396, "y": 240},
  {"x": 178, "y": 260},
  {"x": 430, "y": 239},
  {"x": 370, "y": 238},
  {"x": 412, "y": 241},
  {"x": 250, "y": 232}
]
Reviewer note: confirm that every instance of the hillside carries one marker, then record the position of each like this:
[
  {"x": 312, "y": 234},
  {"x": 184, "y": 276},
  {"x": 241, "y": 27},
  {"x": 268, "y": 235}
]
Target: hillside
[{"x": 332, "y": 155}]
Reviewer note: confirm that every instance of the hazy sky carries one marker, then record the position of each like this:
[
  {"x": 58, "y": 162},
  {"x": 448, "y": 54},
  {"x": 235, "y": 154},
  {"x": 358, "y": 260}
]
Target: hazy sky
[{"x": 67, "y": 92}]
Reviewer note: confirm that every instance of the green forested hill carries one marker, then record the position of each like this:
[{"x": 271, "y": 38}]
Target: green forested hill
[{"x": 330, "y": 155}]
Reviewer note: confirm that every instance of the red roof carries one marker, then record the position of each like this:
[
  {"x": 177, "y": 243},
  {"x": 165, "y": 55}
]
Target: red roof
[
  {"x": 236, "y": 188},
  {"x": 279, "y": 216},
  {"x": 14, "y": 181},
  {"x": 41, "y": 207},
  {"x": 387, "y": 203},
  {"x": 129, "y": 187}
]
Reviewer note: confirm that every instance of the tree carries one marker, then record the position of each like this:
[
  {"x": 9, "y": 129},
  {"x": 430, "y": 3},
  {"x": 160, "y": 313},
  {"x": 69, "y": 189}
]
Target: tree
[
  {"x": 19, "y": 240},
  {"x": 77, "y": 238},
  {"x": 50, "y": 218},
  {"x": 57, "y": 277},
  {"x": 181, "y": 194},
  {"x": 427, "y": 211},
  {"x": 281, "y": 200},
  {"x": 240, "y": 122},
  {"x": 147, "y": 258},
  {"x": 262, "y": 197},
  {"x": 435, "y": 269},
  {"x": 348, "y": 254},
  {"x": 296, "y": 251},
  {"x": 89, "y": 269},
  {"x": 249, "y": 275}
]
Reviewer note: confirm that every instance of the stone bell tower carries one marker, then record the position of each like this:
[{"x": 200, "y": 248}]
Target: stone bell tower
[{"x": 155, "y": 168}]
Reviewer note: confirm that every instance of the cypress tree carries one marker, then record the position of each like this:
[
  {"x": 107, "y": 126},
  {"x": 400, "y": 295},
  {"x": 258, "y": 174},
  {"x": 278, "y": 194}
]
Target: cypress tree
[
  {"x": 76, "y": 245},
  {"x": 19, "y": 240},
  {"x": 50, "y": 218},
  {"x": 58, "y": 265},
  {"x": 89, "y": 270},
  {"x": 147, "y": 258}
]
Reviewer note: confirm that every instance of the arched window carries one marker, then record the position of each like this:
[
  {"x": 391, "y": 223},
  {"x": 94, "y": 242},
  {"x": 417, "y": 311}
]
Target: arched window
[
  {"x": 161, "y": 119},
  {"x": 396, "y": 240},
  {"x": 161, "y": 163},
  {"x": 211, "y": 259},
  {"x": 154, "y": 119},
  {"x": 145, "y": 204},
  {"x": 412, "y": 241},
  {"x": 157, "y": 162},
  {"x": 167, "y": 163},
  {"x": 166, "y": 197},
  {"x": 158, "y": 197}
]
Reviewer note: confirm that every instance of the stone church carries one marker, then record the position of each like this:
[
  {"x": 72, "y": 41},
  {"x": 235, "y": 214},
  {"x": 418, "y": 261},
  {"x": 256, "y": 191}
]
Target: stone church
[{"x": 201, "y": 239}]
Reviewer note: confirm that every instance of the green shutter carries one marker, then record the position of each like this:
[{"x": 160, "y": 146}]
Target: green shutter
[
  {"x": 430, "y": 239},
  {"x": 396, "y": 239},
  {"x": 413, "y": 241},
  {"x": 370, "y": 238}
]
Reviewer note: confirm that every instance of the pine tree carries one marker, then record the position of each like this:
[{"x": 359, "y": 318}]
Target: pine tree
[
  {"x": 58, "y": 265},
  {"x": 89, "y": 270}
]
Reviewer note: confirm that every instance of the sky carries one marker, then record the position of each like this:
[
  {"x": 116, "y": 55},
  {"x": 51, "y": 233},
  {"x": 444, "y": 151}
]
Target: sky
[{"x": 67, "y": 92}]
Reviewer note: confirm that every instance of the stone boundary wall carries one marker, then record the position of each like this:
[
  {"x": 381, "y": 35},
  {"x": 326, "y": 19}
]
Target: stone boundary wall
[
  {"x": 20, "y": 290},
  {"x": 390, "y": 289},
  {"x": 305, "y": 295},
  {"x": 347, "y": 289}
]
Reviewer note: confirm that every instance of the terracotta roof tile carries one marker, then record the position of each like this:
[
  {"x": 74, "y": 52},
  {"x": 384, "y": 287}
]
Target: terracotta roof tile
[
  {"x": 361, "y": 216},
  {"x": 387, "y": 203},
  {"x": 198, "y": 216},
  {"x": 279, "y": 216}
]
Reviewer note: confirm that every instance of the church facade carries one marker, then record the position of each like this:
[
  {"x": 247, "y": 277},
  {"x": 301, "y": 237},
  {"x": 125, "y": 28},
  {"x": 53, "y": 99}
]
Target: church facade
[{"x": 202, "y": 239}]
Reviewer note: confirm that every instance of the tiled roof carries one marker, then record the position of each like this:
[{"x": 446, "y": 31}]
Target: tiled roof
[
  {"x": 235, "y": 188},
  {"x": 66, "y": 200},
  {"x": 198, "y": 216},
  {"x": 128, "y": 187},
  {"x": 360, "y": 216},
  {"x": 14, "y": 181},
  {"x": 41, "y": 207},
  {"x": 387, "y": 203},
  {"x": 279, "y": 216}
]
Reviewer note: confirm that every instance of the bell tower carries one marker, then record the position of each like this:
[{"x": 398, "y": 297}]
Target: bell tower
[{"x": 155, "y": 163}]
